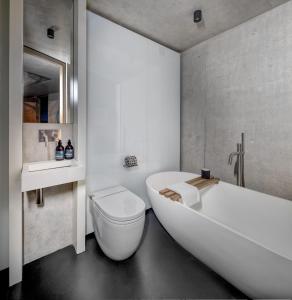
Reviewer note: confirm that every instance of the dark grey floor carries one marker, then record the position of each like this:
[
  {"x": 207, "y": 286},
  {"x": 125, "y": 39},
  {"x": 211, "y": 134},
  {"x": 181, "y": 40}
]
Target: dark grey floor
[{"x": 159, "y": 269}]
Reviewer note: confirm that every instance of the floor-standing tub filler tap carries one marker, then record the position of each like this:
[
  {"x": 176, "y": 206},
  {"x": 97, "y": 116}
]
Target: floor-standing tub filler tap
[{"x": 239, "y": 165}]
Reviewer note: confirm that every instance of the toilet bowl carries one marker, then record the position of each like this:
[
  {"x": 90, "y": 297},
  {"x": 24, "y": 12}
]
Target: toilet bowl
[{"x": 118, "y": 217}]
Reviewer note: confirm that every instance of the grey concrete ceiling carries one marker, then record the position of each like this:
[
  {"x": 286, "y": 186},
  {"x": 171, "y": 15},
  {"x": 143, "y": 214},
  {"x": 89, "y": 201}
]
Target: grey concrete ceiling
[
  {"x": 39, "y": 15},
  {"x": 170, "y": 22}
]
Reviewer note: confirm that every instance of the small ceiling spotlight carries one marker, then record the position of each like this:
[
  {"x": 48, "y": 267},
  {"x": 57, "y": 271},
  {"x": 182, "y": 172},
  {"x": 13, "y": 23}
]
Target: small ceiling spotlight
[
  {"x": 197, "y": 16},
  {"x": 51, "y": 33}
]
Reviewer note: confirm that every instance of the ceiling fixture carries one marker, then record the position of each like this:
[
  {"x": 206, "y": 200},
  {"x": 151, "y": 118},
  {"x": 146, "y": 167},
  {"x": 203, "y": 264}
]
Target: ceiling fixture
[
  {"x": 51, "y": 33},
  {"x": 197, "y": 16}
]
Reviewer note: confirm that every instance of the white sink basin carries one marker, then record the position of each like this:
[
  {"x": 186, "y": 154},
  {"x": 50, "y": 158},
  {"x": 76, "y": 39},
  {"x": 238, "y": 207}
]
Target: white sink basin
[
  {"x": 46, "y": 165},
  {"x": 50, "y": 173}
]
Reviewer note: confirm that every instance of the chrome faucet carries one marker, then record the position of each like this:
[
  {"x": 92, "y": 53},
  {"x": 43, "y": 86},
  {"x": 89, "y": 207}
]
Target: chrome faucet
[{"x": 239, "y": 165}]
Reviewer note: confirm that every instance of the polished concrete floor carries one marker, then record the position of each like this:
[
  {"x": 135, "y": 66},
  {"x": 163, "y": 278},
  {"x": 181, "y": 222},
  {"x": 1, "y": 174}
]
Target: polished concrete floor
[{"x": 159, "y": 269}]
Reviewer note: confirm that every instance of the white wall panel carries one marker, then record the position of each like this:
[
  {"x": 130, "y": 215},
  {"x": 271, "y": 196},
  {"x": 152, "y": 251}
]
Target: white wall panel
[
  {"x": 133, "y": 107},
  {"x": 4, "y": 133},
  {"x": 15, "y": 140}
]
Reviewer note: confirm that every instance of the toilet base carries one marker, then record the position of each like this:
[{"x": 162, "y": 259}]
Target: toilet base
[{"x": 118, "y": 240}]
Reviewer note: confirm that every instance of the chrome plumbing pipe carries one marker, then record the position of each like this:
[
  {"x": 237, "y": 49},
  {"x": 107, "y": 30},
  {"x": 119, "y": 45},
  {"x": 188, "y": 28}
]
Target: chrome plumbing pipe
[{"x": 239, "y": 165}]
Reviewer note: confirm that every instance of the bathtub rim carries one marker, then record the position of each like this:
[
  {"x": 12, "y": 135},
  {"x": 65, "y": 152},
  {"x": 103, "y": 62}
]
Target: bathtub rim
[{"x": 213, "y": 220}]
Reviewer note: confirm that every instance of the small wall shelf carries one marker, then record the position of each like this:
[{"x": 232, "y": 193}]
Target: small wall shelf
[{"x": 50, "y": 173}]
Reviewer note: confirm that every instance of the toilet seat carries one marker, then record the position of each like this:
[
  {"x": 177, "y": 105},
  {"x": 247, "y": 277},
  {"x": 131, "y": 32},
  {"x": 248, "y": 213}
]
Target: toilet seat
[{"x": 118, "y": 204}]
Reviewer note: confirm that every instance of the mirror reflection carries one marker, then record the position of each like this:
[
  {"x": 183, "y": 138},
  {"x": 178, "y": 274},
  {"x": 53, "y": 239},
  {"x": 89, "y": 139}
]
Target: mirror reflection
[
  {"x": 48, "y": 61},
  {"x": 44, "y": 88}
]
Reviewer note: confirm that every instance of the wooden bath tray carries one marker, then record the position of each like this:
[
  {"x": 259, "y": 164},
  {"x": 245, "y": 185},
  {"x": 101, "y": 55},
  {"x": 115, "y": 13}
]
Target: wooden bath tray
[{"x": 199, "y": 182}]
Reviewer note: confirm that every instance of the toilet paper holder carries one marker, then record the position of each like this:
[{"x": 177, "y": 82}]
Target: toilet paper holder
[{"x": 130, "y": 161}]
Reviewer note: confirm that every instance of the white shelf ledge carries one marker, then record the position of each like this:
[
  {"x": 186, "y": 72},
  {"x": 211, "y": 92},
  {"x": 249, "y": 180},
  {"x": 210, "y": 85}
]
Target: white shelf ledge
[
  {"x": 50, "y": 173},
  {"x": 45, "y": 165}
]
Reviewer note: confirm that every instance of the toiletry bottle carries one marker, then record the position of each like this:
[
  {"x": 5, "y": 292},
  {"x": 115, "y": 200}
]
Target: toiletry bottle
[
  {"x": 59, "y": 151},
  {"x": 69, "y": 151}
]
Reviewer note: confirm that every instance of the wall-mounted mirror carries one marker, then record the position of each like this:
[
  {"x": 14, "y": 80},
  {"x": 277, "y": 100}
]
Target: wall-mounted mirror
[
  {"x": 48, "y": 61},
  {"x": 45, "y": 89}
]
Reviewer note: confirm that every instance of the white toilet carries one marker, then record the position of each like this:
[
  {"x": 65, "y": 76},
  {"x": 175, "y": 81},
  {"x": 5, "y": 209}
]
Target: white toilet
[{"x": 118, "y": 218}]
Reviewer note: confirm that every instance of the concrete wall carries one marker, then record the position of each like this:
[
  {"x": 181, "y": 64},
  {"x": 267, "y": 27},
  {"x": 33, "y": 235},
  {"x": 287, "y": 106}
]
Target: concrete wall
[
  {"x": 241, "y": 81},
  {"x": 4, "y": 134},
  {"x": 49, "y": 228},
  {"x": 33, "y": 150}
]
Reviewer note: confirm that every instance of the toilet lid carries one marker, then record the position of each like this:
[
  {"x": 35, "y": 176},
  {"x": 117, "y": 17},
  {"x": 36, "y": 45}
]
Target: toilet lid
[{"x": 119, "y": 204}]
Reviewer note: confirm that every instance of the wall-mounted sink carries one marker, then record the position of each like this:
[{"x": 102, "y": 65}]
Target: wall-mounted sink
[
  {"x": 44, "y": 174},
  {"x": 45, "y": 165}
]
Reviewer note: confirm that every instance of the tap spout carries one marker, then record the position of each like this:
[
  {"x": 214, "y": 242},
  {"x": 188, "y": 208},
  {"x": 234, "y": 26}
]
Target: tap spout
[{"x": 230, "y": 159}]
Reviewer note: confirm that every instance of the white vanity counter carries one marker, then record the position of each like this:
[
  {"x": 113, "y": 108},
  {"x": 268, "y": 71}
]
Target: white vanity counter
[{"x": 44, "y": 174}]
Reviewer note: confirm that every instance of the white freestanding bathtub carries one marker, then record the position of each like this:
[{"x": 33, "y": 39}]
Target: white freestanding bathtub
[{"x": 243, "y": 235}]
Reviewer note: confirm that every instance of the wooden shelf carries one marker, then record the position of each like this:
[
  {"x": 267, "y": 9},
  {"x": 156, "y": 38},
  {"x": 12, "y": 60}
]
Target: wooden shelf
[{"x": 199, "y": 182}]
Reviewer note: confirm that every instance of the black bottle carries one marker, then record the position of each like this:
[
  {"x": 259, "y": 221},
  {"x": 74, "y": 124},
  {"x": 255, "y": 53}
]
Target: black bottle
[
  {"x": 69, "y": 151},
  {"x": 59, "y": 151}
]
